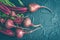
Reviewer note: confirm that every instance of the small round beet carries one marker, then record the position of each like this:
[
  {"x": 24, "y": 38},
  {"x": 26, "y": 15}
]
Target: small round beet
[
  {"x": 13, "y": 14},
  {"x": 20, "y": 33},
  {"x": 18, "y": 20},
  {"x": 28, "y": 23},
  {"x": 9, "y": 24},
  {"x": 2, "y": 20}
]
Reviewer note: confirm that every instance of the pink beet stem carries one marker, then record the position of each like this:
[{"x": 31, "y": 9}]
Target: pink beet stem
[
  {"x": 6, "y": 8},
  {"x": 7, "y": 32},
  {"x": 35, "y": 25},
  {"x": 5, "y": 11},
  {"x": 21, "y": 9}
]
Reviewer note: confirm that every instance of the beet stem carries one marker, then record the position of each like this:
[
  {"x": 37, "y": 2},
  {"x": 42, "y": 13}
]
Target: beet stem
[
  {"x": 21, "y": 27},
  {"x": 33, "y": 30}
]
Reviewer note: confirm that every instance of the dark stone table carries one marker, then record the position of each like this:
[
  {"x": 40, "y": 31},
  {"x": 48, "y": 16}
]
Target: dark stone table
[{"x": 49, "y": 21}]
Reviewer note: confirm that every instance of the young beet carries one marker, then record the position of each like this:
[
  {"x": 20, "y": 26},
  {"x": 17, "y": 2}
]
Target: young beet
[
  {"x": 7, "y": 32},
  {"x": 13, "y": 14},
  {"x": 9, "y": 24},
  {"x": 20, "y": 33},
  {"x": 18, "y": 20},
  {"x": 27, "y": 23},
  {"x": 2, "y": 20},
  {"x": 34, "y": 7}
]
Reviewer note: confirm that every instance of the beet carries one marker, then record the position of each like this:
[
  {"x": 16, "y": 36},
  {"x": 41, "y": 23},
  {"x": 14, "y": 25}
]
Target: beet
[
  {"x": 9, "y": 24},
  {"x": 20, "y": 33},
  {"x": 13, "y": 14},
  {"x": 2, "y": 20},
  {"x": 18, "y": 20},
  {"x": 34, "y": 7},
  {"x": 28, "y": 23}
]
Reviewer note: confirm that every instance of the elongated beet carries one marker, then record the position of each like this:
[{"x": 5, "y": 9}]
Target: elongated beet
[
  {"x": 34, "y": 7},
  {"x": 7, "y": 32}
]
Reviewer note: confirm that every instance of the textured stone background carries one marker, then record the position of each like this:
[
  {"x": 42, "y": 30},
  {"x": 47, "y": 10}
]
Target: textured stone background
[{"x": 50, "y": 21}]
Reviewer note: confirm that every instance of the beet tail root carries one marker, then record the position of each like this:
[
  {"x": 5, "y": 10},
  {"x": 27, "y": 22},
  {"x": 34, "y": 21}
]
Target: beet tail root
[
  {"x": 31, "y": 31},
  {"x": 46, "y": 8},
  {"x": 36, "y": 25}
]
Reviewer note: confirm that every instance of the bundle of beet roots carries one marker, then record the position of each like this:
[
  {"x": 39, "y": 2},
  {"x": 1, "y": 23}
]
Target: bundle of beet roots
[{"x": 7, "y": 24}]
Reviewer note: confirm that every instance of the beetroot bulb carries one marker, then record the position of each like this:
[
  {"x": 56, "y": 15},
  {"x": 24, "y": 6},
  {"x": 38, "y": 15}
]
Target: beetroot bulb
[
  {"x": 34, "y": 7},
  {"x": 2, "y": 20},
  {"x": 13, "y": 14},
  {"x": 7, "y": 32},
  {"x": 9, "y": 24},
  {"x": 20, "y": 33},
  {"x": 27, "y": 23},
  {"x": 18, "y": 20}
]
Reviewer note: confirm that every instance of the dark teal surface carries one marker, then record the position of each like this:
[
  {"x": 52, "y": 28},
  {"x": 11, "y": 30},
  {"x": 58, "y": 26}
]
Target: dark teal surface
[{"x": 50, "y": 21}]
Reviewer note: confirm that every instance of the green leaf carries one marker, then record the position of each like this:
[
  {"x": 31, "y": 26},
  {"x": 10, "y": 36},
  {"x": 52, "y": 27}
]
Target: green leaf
[
  {"x": 12, "y": 18},
  {"x": 22, "y": 15},
  {"x": 0, "y": 28},
  {"x": 21, "y": 3},
  {"x": 4, "y": 15}
]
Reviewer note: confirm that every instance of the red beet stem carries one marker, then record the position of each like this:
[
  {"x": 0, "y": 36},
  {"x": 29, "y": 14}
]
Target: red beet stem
[
  {"x": 7, "y": 32},
  {"x": 6, "y": 12},
  {"x": 31, "y": 31},
  {"x": 19, "y": 9},
  {"x": 5, "y": 7}
]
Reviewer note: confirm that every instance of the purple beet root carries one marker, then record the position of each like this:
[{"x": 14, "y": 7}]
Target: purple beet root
[
  {"x": 18, "y": 20},
  {"x": 9, "y": 24},
  {"x": 20, "y": 33},
  {"x": 28, "y": 23},
  {"x": 2, "y": 20}
]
